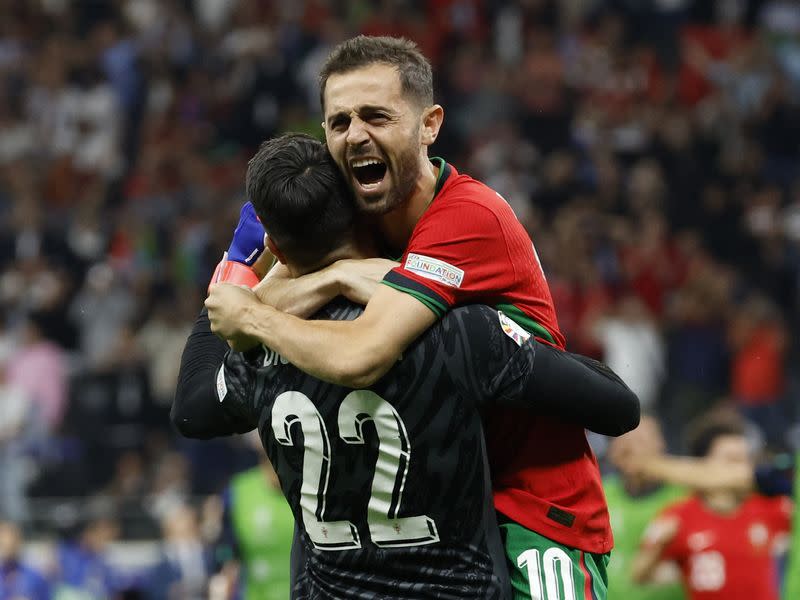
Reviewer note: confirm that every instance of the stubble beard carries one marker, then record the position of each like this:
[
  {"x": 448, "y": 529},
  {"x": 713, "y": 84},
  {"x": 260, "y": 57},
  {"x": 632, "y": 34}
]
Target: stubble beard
[{"x": 406, "y": 177}]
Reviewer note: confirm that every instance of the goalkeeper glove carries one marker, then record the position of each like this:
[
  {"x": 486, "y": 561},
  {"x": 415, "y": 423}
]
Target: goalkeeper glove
[{"x": 247, "y": 245}]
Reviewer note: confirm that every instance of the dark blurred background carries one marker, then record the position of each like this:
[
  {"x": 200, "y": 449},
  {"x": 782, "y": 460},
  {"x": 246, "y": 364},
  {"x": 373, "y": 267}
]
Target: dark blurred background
[{"x": 650, "y": 147}]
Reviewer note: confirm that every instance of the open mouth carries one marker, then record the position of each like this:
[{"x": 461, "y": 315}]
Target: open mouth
[{"x": 369, "y": 172}]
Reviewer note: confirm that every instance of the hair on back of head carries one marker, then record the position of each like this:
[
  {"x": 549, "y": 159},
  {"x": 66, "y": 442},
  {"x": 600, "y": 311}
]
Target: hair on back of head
[
  {"x": 702, "y": 433},
  {"x": 416, "y": 75},
  {"x": 299, "y": 195}
]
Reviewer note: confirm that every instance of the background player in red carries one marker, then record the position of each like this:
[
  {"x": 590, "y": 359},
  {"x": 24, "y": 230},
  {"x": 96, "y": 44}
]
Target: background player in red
[
  {"x": 723, "y": 541},
  {"x": 461, "y": 244}
]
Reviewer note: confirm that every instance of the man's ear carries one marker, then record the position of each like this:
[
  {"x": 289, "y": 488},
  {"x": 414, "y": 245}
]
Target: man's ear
[
  {"x": 273, "y": 247},
  {"x": 432, "y": 118}
]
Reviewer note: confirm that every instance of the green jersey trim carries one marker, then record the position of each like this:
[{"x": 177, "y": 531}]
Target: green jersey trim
[
  {"x": 444, "y": 173},
  {"x": 438, "y": 309},
  {"x": 525, "y": 321}
]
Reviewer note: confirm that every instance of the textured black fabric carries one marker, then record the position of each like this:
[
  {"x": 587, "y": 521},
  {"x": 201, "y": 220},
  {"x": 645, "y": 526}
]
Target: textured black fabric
[
  {"x": 356, "y": 464},
  {"x": 582, "y": 390},
  {"x": 196, "y": 413}
]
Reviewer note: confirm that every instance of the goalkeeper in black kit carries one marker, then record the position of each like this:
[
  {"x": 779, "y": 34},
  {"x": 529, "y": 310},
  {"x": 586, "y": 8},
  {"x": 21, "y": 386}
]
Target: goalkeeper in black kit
[{"x": 389, "y": 485}]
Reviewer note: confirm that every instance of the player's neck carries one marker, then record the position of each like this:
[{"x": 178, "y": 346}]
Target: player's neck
[
  {"x": 723, "y": 503},
  {"x": 398, "y": 225},
  {"x": 359, "y": 247}
]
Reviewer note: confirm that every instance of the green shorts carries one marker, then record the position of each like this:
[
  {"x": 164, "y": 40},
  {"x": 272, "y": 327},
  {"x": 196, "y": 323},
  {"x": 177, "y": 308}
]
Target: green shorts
[{"x": 542, "y": 569}]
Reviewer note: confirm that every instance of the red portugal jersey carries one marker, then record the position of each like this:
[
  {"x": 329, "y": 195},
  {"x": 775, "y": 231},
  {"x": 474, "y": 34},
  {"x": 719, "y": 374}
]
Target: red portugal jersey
[
  {"x": 728, "y": 556},
  {"x": 468, "y": 247}
]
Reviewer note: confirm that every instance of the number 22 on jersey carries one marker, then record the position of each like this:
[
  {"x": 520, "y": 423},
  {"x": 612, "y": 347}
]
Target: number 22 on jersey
[{"x": 386, "y": 529}]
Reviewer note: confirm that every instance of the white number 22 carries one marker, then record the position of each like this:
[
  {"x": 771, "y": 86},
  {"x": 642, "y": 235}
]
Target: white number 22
[{"x": 386, "y": 529}]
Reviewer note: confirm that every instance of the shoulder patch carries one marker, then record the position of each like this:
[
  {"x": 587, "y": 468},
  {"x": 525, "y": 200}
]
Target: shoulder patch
[
  {"x": 435, "y": 269},
  {"x": 222, "y": 386},
  {"x": 512, "y": 329}
]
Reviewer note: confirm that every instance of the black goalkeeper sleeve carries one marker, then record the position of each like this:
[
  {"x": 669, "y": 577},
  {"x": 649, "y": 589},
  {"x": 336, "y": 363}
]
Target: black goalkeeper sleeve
[
  {"x": 582, "y": 391},
  {"x": 196, "y": 411}
]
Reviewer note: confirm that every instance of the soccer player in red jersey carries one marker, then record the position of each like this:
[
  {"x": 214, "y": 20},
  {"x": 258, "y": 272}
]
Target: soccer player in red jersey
[
  {"x": 723, "y": 541},
  {"x": 461, "y": 243}
]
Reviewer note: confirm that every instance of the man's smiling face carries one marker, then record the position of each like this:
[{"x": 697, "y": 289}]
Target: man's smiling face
[{"x": 373, "y": 133}]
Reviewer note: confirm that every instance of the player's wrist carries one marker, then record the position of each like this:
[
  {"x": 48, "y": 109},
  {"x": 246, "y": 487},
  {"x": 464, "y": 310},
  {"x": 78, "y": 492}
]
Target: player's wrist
[
  {"x": 234, "y": 272},
  {"x": 337, "y": 279},
  {"x": 258, "y": 322},
  {"x": 239, "y": 274}
]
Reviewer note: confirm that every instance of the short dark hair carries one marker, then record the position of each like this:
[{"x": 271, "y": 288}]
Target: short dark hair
[
  {"x": 416, "y": 76},
  {"x": 702, "y": 435},
  {"x": 299, "y": 195}
]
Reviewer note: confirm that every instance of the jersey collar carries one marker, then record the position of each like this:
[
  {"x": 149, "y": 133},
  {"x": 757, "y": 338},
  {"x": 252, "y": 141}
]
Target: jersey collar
[{"x": 444, "y": 172}]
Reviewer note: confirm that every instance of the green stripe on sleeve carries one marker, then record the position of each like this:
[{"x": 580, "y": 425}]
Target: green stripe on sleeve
[{"x": 438, "y": 309}]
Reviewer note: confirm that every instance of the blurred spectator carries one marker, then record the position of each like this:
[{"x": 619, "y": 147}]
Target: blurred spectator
[
  {"x": 256, "y": 538},
  {"x": 633, "y": 501},
  {"x": 35, "y": 356},
  {"x": 82, "y": 567},
  {"x": 17, "y": 579},
  {"x": 184, "y": 568},
  {"x": 697, "y": 349},
  {"x": 758, "y": 377},
  {"x": 15, "y": 410},
  {"x": 100, "y": 310},
  {"x": 161, "y": 339},
  {"x": 632, "y": 347},
  {"x": 170, "y": 486}
]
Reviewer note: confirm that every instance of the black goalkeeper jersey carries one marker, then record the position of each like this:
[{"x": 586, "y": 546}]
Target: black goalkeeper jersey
[{"x": 389, "y": 485}]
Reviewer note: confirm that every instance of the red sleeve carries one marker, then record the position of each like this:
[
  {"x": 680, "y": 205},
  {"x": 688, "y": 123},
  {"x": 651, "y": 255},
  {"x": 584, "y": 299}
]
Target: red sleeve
[{"x": 456, "y": 253}]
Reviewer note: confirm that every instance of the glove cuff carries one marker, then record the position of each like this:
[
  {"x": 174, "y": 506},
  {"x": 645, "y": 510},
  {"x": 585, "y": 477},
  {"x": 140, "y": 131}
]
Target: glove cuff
[{"x": 229, "y": 271}]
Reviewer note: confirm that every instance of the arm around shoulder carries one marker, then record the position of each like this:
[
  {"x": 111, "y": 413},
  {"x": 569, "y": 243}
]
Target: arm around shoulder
[
  {"x": 581, "y": 390},
  {"x": 299, "y": 296},
  {"x": 349, "y": 353}
]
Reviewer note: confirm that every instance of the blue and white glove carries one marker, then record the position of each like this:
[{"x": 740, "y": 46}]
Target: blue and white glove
[{"x": 247, "y": 245}]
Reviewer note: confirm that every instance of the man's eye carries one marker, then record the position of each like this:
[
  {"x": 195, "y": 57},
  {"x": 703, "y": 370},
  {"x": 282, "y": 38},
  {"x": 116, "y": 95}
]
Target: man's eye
[
  {"x": 378, "y": 118},
  {"x": 339, "y": 124}
]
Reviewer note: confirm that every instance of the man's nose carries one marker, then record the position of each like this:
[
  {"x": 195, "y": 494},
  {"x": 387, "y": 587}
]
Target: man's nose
[{"x": 357, "y": 133}]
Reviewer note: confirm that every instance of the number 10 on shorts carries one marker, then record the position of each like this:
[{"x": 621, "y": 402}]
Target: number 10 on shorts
[{"x": 549, "y": 575}]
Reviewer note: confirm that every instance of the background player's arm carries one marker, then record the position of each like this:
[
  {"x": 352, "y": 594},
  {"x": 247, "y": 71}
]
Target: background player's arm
[
  {"x": 197, "y": 411},
  {"x": 697, "y": 473},
  {"x": 349, "y": 353},
  {"x": 771, "y": 478},
  {"x": 303, "y": 296},
  {"x": 647, "y": 563}
]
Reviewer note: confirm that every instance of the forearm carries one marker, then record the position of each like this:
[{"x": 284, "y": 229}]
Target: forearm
[
  {"x": 300, "y": 296},
  {"x": 340, "y": 352},
  {"x": 360, "y": 279},
  {"x": 196, "y": 412},
  {"x": 698, "y": 473},
  {"x": 359, "y": 289},
  {"x": 580, "y": 390},
  {"x": 645, "y": 565}
]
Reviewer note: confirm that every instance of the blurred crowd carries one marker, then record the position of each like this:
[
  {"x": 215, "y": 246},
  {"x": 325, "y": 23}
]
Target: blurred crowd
[{"x": 651, "y": 148}]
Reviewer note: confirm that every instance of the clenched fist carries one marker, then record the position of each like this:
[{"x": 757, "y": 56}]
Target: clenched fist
[{"x": 229, "y": 308}]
